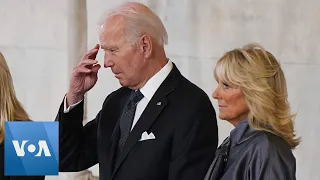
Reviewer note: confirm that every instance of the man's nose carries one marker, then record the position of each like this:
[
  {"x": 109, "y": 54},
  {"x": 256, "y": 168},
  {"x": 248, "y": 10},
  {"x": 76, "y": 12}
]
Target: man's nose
[{"x": 107, "y": 61}]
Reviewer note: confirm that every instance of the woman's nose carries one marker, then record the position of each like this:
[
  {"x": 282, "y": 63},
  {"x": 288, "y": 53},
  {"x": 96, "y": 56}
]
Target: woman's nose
[{"x": 215, "y": 93}]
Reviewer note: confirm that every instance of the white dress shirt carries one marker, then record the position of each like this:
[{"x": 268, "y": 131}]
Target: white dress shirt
[{"x": 147, "y": 90}]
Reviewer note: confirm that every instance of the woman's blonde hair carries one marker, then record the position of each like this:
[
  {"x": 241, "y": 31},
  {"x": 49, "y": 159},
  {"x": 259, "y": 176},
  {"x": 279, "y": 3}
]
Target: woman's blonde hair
[
  {"x": 10, "y": 107},
  {"x": 259, "y": 75}
]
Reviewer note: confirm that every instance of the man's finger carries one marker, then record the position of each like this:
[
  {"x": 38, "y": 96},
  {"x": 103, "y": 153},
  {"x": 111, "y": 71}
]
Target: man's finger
[
  {"x": 88, "y": 62},
  {"x": 83, "y": 70},
  {"x": 97, "y": 46},
  {"x": 91, "y": 54},
  {"x": 95, "y": 68}
]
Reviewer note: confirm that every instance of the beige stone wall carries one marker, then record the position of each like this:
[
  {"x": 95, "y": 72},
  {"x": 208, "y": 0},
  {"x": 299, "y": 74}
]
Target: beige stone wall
[{"x": 43, "y": 39}]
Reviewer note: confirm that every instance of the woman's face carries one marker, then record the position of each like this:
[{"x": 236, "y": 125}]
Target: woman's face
[{"x": 232, "y": 106}]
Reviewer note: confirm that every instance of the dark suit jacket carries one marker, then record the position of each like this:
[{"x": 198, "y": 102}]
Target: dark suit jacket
[
  {"x": 184, "y": 125},
  {"x": 2, "y": 177}
]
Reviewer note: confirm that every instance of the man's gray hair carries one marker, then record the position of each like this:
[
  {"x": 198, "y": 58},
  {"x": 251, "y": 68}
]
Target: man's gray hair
[{"x": 139, "y": 19}]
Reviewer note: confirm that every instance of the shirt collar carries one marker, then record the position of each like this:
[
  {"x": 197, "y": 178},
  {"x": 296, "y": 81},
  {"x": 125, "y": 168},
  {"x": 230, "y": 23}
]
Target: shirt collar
[
  {"x": 238, "y": 134},
  {"x": 155, "y": 81}
]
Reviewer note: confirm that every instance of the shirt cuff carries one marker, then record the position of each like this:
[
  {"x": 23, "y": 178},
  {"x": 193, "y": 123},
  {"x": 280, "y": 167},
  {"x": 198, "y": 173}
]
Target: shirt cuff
[{"x": 66, "y": 110}]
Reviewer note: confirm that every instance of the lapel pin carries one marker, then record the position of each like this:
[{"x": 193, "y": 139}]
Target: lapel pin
[{"x": 158, "y": 103}]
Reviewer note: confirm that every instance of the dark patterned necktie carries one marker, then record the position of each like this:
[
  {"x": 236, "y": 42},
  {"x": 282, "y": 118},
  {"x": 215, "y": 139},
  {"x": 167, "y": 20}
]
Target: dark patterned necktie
[{"x": 127, "y": 118}]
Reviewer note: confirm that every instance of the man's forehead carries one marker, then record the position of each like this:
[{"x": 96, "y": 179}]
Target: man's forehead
[
  {"x": 111, "y": 33},
  {"x": 111, "y": 39}
]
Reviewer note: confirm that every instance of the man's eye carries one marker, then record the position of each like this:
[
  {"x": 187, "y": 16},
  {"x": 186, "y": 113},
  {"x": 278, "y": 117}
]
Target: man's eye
[{"x": 110, "y": 50}]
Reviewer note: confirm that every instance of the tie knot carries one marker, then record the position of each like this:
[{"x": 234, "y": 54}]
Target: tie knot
[{"x": 136, "y": 97}]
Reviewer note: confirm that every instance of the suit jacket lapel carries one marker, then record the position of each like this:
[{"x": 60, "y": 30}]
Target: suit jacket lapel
[
  {"x": 150, "y": 114},
  {"x": 114, "y": 146},
  {"x": 113, "y": 143}
]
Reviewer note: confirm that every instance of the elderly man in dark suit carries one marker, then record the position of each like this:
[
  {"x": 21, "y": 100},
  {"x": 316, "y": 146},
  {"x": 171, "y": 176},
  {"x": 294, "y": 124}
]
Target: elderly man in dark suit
[{"x": 157, "y": 126}]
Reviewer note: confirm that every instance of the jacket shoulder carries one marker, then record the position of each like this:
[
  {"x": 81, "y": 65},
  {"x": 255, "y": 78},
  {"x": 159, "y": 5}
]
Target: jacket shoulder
[
  {"x": 270, "y": 146},
  {"x": 192, "y": 93}
]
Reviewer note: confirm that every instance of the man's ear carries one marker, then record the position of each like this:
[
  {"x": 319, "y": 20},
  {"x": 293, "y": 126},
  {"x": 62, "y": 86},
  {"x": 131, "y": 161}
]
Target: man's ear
[{"x": 146, "y": 45}]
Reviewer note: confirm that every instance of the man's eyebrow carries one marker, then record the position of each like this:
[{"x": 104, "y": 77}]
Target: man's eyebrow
[{"x": 109, "y": 47}]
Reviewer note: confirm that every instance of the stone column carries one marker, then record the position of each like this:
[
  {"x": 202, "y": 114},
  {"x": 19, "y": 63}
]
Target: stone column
[
  {"x": 77, "y": 46},
  {"x": 77, "y": 35}
]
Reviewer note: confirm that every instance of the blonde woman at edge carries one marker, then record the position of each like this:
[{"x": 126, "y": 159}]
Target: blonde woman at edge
[
  {"x": 252, "y": 96},
  {"x": 10, "y": 110}
]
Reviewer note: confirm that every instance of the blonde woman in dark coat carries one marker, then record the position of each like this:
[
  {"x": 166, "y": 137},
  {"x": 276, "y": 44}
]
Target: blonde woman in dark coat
[
  {"x": 252, "y": 96},
  {"x": 10, "y": 110}
]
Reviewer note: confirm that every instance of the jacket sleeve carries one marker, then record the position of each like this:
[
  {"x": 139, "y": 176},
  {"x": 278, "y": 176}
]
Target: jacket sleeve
[
  {"x": 195, "y": 142},
  {"x": 77, "y": 143},
  {"x": 271, "y": 160},
  {"x": 27, "y": 178}
]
